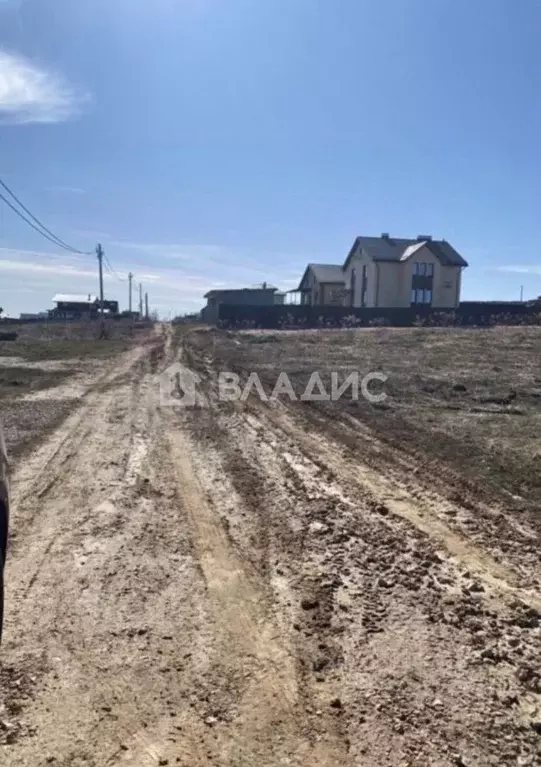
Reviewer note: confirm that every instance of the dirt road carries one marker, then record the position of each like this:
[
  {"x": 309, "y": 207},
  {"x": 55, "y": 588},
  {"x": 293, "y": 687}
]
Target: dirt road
[{"x": 227, "y": 585}]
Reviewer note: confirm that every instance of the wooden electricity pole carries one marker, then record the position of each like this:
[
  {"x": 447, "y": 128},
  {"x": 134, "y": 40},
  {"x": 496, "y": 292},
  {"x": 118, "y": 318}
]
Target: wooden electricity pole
[
  {"x": 140, "y": 300},
  {"x": 99, "y": 253},
  {"x": 130, "y": 278},
  {"x": 146, "y": 306}
]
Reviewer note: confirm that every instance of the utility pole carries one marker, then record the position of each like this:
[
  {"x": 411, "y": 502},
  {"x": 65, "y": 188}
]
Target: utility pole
[
  {"x": 140, "y": 300},
  {"x": 99, "y": 253},
  {"x": 130, "y": 278},
  {"x": 521, "y": 293},
  {"x": 146, "y": 306}
]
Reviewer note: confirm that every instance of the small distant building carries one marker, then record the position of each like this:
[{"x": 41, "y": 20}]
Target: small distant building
[
  {"x": 80, "y": 307},
  {"x": 73, "y": 307},
  {"x": 260, "y": 296}
]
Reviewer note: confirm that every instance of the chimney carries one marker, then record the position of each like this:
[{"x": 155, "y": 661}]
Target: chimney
[
  {"x": 385, "y": 235},
  {"x": 424, "y": 237}
]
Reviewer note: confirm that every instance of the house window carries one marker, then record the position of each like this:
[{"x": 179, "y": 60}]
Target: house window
[
  {"x": 364, "y": 285},
  {"x": 422, "y": 283},
  {"x": 421, "y": 296},
  {"x": 316, "y": 297},
  {"x": 353, "y": 287},
  {"x": 422, "y": 269}
]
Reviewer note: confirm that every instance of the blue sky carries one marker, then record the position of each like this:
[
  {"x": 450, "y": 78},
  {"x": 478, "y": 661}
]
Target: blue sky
[{"x": 210, "y": 143}]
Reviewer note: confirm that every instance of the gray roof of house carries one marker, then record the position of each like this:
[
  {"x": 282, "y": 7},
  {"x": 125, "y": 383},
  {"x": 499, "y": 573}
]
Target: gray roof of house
[
  {"x": 224, "y": 291},
  {"x": 400, "y": 249},
  {"x": 325, "y": 273}
]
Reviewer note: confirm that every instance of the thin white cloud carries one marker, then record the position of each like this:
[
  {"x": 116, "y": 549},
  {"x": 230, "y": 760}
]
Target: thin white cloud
[
  {"x": 193, "y": 254},
  {"x": 93, "y": 234},
  {"x": 55, "y": 268},
  {"x": 19, "y": 260},
  {"x": 242, "y": 267},
  {"x": 529, "y": 269},
  {"x": 174, "y": 250},
  {"x": 25, "y": 267},
  {"x": 66, "y": 189},
  {"x": 29, "y": 94}
]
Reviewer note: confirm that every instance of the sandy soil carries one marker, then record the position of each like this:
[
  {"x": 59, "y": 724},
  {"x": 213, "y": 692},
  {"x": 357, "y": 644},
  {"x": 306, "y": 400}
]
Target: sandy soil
[{"x": 239, "y": 585}]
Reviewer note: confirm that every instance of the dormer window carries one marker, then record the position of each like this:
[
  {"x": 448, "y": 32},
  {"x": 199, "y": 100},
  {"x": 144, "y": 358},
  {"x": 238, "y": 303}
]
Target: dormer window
[{"x": 421, "y": 269}]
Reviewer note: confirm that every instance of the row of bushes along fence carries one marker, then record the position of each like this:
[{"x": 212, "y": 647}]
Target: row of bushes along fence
[{"x": 292, "y": 316}]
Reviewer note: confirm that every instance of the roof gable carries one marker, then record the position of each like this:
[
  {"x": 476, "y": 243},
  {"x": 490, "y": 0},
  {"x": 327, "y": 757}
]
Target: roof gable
[
  {"x": 324, "y": 273},
  {"x": 399, "y": 249}
]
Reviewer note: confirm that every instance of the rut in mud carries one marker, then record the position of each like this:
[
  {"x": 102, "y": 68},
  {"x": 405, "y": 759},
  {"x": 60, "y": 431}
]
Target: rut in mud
[{"x": 234, "y": 585}]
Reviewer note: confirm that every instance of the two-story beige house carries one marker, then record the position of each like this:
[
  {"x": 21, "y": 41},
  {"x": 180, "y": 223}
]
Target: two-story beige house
[{"x": 390, "y": 272}]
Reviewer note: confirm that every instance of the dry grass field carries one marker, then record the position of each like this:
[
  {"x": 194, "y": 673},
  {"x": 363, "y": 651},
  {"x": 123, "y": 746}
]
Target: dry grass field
[{"x": 469, "y": 397}]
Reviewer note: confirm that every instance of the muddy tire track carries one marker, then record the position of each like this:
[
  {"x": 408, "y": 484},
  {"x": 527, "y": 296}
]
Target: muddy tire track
[{"x": 436, "y": 636}]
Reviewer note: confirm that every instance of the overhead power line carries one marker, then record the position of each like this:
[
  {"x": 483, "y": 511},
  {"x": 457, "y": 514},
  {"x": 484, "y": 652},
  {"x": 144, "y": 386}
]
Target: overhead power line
[
  {"x": 111, "y": 270},
  {"x": 55, "y": 242},
  {"x": 40, "y": 228}
]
